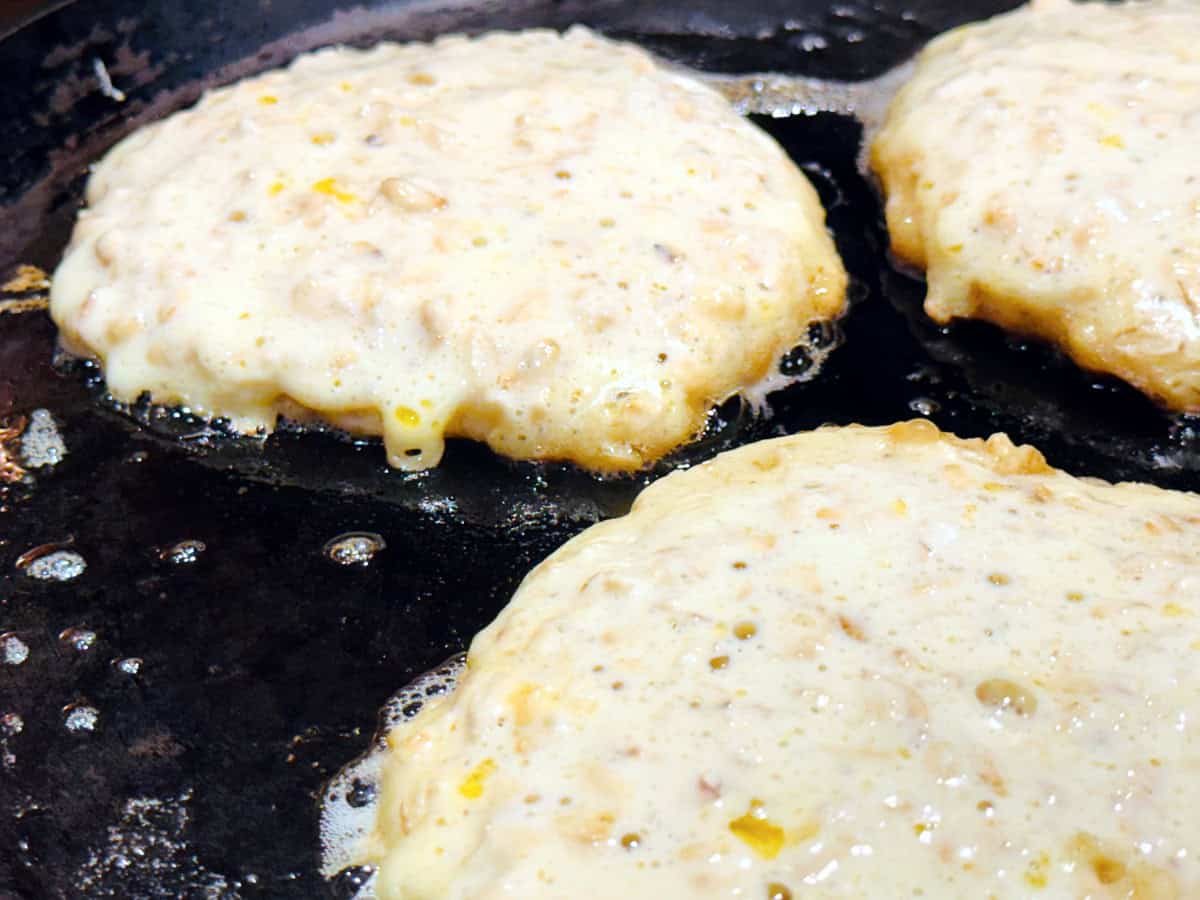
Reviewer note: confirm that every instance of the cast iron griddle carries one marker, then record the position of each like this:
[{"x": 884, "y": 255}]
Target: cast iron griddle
[{"x": 260, "y": 663}]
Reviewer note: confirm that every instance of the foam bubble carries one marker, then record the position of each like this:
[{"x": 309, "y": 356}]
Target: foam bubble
[
  {"x": 60, "y": 565},
  {"x": 354, "y": 548},
  {"x": 41, "y": 444},
  {"x": 79, "y": 718},
  {"x": 11, "y": 724},
  {"x": 183, "y": 553},
  {"x": 822, "y": 339},
  {"x": 349, "y": 801},
  {"x": 81, "y": 639},
  {"x": 924, "y": 406},
  {"x": 147, "y": 843},
  {"x": 13, "y": 650}
]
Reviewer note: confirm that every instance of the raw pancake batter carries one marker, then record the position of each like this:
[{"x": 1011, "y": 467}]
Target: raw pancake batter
[{"x": 546, "y": 242}]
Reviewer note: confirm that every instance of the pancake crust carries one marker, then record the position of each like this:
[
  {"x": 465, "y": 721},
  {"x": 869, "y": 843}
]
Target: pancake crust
[
  {"x": 546, "y": 242},
  {"x": 1040, "y": 167},
  {"x": 860, "y": 662}
]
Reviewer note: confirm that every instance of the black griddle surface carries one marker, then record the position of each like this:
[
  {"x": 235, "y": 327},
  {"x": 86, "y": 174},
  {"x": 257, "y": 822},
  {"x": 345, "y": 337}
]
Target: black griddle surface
[{"x": 263, "y": 662}]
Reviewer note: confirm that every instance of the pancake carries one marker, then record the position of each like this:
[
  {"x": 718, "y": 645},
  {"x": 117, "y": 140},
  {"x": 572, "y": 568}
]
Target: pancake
[
  {"x": 858, "y": 662},
  {"x": 546, "y": 242},
  {"x": 1040, "y": 168}
]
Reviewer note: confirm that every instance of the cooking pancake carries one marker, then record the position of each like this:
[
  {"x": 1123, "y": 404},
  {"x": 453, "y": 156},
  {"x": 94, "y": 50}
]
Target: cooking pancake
[
  {"x": 849, "y": 663},
  {"x": 546, "y": 242},
  {"x": 1040, "y": 167}
]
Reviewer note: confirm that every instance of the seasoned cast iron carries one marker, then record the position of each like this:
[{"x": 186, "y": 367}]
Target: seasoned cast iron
[{"x": 260, "y": 662}]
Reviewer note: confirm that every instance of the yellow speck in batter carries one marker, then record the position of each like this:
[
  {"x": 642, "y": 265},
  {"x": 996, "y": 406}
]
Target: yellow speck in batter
[
  {"x": 758, "y": 832},
  {"x": 472, "y": 785},
  {"x": 329, "y": 187},
  {"x": 407, "y": 416}
]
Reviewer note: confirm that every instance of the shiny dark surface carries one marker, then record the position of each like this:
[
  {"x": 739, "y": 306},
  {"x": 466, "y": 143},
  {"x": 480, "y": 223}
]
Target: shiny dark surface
[{"x": 262, "y": 661}]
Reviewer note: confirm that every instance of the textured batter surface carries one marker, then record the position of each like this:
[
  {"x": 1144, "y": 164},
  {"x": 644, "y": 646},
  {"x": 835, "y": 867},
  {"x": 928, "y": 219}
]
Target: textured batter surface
[
  {"x": 1041, "y": 167},
  {"x": 859, "y": 662},
  {"x": 545, "y": 242}
]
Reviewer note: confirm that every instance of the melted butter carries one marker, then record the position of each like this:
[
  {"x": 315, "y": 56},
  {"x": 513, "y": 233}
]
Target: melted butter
[{"x": 531, "y": 231}]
